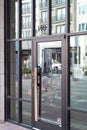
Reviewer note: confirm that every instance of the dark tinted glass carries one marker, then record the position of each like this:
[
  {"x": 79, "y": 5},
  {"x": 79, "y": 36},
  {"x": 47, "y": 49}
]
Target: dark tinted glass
[
  {"x": 14, "y": 69},
  {"x": 14, "y": 110},
  {"x": 26, "y": 113},
  {"x": 13, "y": 21},
  {"x": 78, "y": 121}
]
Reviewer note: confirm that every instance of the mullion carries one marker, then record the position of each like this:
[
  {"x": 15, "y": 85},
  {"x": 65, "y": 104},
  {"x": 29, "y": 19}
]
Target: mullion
[
  {"x": 33, "y": 17},
  {"x": 7, "y": 19},
  {"x": 67, "y": 16},
  {"x": 20, "y": 19},
  {"x": 49, "y": 17},
  {"x": 20, "y": 85},
  {"x": 8, "y": 81},
  {"x": 19, "y": 69},
  {"x": 5, "y": 58},
  {"x": 68, "y": 63}
]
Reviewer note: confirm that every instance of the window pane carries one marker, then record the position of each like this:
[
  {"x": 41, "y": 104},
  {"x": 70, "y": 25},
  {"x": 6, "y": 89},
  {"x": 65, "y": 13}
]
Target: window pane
[
  {"x": 14, "y": 69},
  {"x": 78, "y": 15},
  {"x": 58, "y": 16},
  {"x": 26, "y": 19},
  {"x": 78, "y": 71},
  {"x": 13, "y": 19},
  {"x": 78, "y": 121},
  {"x": 26, "y": 113},
  {"x": 14, "y": 110},
  {"x": 60, "y": 28},
  {"x": 49, "y": 102},
  {"x": 26, "y": 69},
  {"x": 41, "y": 18},
  {"x": 44, "y": 17}
]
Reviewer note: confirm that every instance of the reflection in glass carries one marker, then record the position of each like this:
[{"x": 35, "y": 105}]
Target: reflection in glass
[
  {"x": 49, "y": 59},
  {"x": 58, "y": 16},
  {"x": 14, "y": 47},
  {"x": 78, "y": 13},
  {"x": 13, "y": 19},
  {"x": 26, "y": 69},
  {"x": 26, "y": 18},
  {"x": 78, "y": 71},
  {"x": 14, "y": 110},
  {"x": 26, "y": 113},
  {"x": 41, "y": 17},
  {"x": 78, "y": 121}
]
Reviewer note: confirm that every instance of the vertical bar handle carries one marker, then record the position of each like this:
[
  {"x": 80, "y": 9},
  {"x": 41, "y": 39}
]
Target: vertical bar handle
[{"x": 35, "y": 95}]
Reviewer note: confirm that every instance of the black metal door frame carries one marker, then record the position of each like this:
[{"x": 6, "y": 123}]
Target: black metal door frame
[{"x": 41, "y": 124}]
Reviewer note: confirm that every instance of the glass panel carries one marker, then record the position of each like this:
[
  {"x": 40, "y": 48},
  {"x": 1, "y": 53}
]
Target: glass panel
[
  {"x": 26, "y": 113},
  {"x": 78, "y": 71},
  {"x": 14, "y": 69},
  {"x": 41, "y": 17},
  {"x": 78, "y": 121},
  {"x": 26, "y": 69},
  {"x": 14, "y": 110},
  {"x": 26, "y": 19},
  {"x": 58, "y": 16},
  {"x": 49, "y": 59},
  {"x": 13, "y": 19},
  {"x": 78, "y": 13}
]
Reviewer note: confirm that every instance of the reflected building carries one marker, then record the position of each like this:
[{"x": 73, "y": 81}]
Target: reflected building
[
  {"x": 81, "y": 15},
  {"x": 78, "y": 15},
  {"x": 26, "y": 32},
  {"x": 41, "y": 17},
  {"x": 58, "y": 9},
  {"x": 58, "y": 16},
  {"x": 26, "y": 18},
  {"x": 43, "y": 63},
  {"x": 79, "y": 23}
]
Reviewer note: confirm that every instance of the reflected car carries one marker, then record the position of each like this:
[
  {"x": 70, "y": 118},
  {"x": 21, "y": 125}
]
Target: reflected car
[{"x": 56, "y": 65}]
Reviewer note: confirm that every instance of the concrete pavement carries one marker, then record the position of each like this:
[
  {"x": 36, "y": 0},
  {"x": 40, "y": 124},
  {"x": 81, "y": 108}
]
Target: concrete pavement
[{"x": 10, "y": 126}]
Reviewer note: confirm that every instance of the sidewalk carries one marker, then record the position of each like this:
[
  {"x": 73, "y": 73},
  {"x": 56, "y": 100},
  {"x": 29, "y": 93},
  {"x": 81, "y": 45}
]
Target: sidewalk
[{"x": 10, "y": 126}]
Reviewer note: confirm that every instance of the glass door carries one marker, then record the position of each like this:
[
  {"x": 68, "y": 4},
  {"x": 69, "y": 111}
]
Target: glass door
[{"x": 47, "y": 86}]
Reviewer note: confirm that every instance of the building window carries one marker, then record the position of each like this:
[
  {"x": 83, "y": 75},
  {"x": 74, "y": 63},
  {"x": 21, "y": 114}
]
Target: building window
[
  {"x": 60, "y": 29},
  {"x": 26, "y": 33},
  {"x": 60, "y": 14},
  {"x": 26, "y": 8},
  {"x": 60, "y": 1},
  {"x": 79, "y": 27},
  {"x": 26, "y": 19},
  {"x": 82, "y": 27},
  {"x": 86, "y": 26},
  {"x": 26, "y": 22},
  {"x": 43, "y": 3},
  {"x": 44, "y": 17}
]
